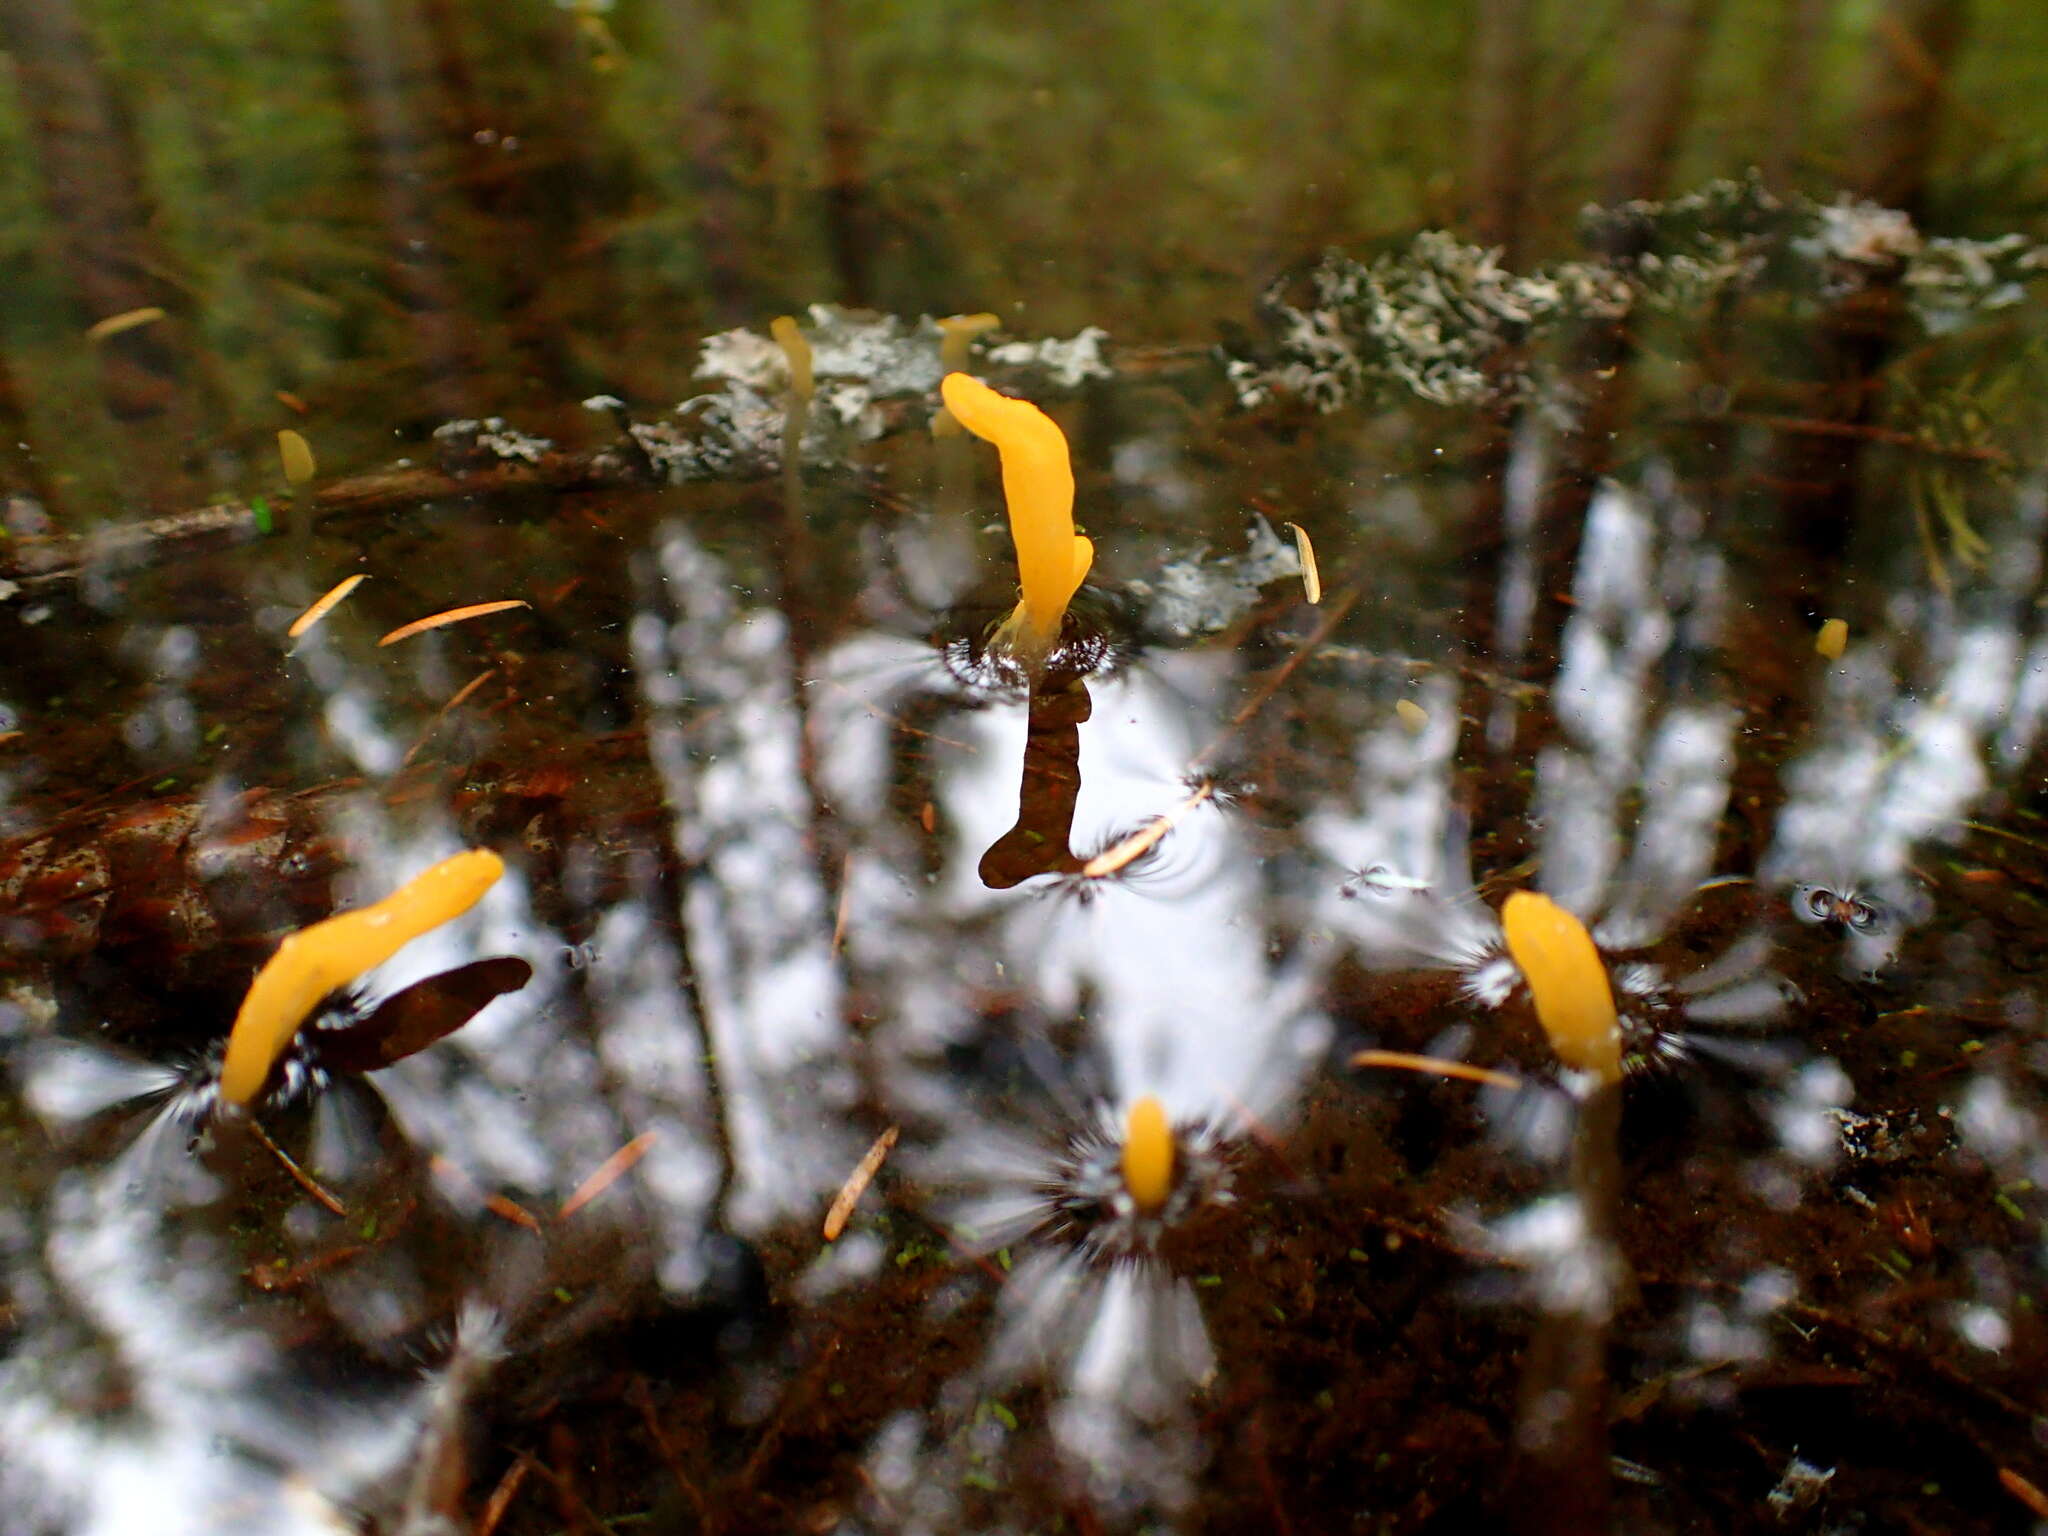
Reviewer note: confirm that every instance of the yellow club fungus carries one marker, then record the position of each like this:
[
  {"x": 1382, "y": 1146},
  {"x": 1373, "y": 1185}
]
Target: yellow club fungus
[
  {"x": 796, "y": 350},
  {"x": 315, "y": 961},
  {"x": 1148, "y": 1154},
  {"x": 956, "y": 338},
  {"x": 1038, "y": 485},
  {"x": 1833, "y": 639},
  {"x": 1568, "y": 982}
]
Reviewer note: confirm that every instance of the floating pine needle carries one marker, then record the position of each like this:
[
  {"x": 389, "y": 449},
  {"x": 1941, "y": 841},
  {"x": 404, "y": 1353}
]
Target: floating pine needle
[
  {"x": 857, "y": 1183},
  {"x": 325, "y": 605},
  {"x": 451, "y": 616},
  {"x": 127, "y": 320},
  {"x": 297, "y": 455},
  {"x": 1412, "y": 714},
  {"x": 1567, "y": 980},
  {"x": 1311, "y": 578},
  {"x": 1148, "y": 1154},
  {"x": 1125, "y": 851},
  {"x": 1833, "y": 639},
  {"x": 315, "y": 961},
  {"x": 505, "y": 1208},
  {"x": 1405, "y": 1061},
  {"x": 608, "y": 1173}
]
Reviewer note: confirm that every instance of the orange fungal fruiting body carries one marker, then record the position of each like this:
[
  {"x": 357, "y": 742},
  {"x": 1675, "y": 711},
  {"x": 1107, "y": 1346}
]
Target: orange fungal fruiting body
[
  {"x": 1568, "y": 982},
  {"x": 1148, "y": 1154},
  {"x": 315, "y": 961},
  {"x": 1038, "y": 485}
]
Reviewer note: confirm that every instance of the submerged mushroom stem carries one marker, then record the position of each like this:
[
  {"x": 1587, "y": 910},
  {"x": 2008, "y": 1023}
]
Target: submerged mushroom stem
[
  {"x": 315, "y": 961},
  {"x": 1038, "y": 485}
]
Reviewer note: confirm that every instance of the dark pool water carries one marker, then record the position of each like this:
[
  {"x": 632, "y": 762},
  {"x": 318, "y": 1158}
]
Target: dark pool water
[{"x": 1680, "y": 561}]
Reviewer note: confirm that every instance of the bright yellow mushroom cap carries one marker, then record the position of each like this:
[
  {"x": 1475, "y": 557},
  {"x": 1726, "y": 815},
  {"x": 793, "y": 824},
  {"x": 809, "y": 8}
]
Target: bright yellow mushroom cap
[
  {"x": 1568, "y": 981},
  {"x": 1038, "y": 485},
  {"x": 314, "y": 961},
  {"x": 1148, "y": 1154}
]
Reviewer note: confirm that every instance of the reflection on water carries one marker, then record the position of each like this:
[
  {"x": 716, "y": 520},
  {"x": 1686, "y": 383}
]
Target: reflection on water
[{"x": 1226, "y": 1174}]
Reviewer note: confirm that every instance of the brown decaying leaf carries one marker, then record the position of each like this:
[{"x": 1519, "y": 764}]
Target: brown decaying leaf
[
  {"x": 410, "y": 1020},
  {"x": 857, "y": 1182},
  {"x": 451, "y": 616}
]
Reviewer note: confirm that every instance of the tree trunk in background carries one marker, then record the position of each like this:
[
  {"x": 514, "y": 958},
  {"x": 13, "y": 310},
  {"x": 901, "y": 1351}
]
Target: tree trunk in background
[
  {"x": 387, "y": 60},
  {"x": 94, "y": 190},
  {"x": 849, "y": 218},
  {"x": 1654, "y": 102},
  {"x": 1497, "y": 153},
  {"x": 711, "y": 165},
  {"x": 1789, "y": 88},
  {"x": 1913, "y": 43}
]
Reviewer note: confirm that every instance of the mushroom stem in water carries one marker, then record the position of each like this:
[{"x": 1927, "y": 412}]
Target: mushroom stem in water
[
  {"x": 1038, "y": 486},
  {"x": 315, "y": 961}
]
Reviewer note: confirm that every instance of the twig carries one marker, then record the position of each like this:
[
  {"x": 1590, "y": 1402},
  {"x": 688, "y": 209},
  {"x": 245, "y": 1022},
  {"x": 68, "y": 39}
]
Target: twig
[{"x": 306, "y": 1181}]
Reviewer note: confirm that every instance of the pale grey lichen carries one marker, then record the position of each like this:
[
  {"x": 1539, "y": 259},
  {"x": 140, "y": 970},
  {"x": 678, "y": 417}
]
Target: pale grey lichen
[
  {"x": 1068, "y": 364},
  {"x": 1201, "y": 594},
  {"x": 1444, "y": 321},
  {"x": 1951, "y": 282},
  {"x": 468, "y": 443},
  {"x": 883, "y": 354}
]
